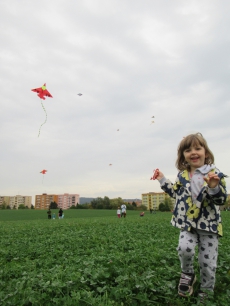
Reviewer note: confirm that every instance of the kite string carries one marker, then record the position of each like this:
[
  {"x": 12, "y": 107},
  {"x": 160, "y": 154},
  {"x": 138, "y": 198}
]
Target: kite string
[{"x": 45, "y": 119}]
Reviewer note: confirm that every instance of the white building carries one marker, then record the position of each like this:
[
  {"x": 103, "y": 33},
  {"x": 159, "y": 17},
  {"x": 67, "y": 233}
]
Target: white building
[{"x": 17, "y": 200}]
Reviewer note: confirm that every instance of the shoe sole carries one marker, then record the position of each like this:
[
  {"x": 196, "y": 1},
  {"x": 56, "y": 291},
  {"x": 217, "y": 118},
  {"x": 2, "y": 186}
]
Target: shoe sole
[{"x": 189, "y": 293}]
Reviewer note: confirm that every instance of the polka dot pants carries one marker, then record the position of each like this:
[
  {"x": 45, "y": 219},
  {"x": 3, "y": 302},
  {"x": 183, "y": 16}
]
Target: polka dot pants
[{"x": 207, "y": 255}]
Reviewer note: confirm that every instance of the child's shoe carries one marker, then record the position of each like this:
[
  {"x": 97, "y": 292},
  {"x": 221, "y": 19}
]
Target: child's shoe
[
  {"x": 204, "y": 297},
  {"x": 185, "y": 287}
]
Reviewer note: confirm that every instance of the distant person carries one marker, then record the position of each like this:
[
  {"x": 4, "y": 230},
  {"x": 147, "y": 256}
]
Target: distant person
[
  {"x": 60, "y": 213},
  {"x": 54, "y": 216},
  {"x": 142, "y": 214},
  {"x": 118, "y": 212},
  {"x": 123, "y": 210},
  {"x": 151, "y": 210},
  {"x": 49, "y": 214}
]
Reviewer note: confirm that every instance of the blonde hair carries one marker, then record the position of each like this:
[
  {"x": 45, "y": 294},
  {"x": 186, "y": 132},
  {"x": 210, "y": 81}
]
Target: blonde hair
[{"x": 190, "y": 141}]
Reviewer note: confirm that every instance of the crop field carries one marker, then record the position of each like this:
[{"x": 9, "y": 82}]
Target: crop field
[{"x": 93, "y": 258}]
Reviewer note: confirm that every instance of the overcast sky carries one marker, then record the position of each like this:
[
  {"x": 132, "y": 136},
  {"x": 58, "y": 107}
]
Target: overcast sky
[{"x": 131, "y": 60}]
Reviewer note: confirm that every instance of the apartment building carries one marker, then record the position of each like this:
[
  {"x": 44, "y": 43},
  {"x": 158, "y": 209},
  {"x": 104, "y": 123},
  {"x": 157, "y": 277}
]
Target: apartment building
[
  {"x": 4, "y": 200},
  {"x": 66, "y": 200},
  {"x": 15, "y": 201},
  {"x": 152, "y": 200},
  {"x": 43, "y": 201}
]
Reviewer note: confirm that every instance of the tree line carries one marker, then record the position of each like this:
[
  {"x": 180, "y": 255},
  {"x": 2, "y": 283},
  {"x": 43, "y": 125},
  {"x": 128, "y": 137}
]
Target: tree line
[{"x": 107, "y": 203}]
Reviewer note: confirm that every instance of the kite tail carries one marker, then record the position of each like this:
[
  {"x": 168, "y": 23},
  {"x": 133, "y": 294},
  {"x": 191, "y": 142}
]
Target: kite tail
[{"x": 45, "y": 119}]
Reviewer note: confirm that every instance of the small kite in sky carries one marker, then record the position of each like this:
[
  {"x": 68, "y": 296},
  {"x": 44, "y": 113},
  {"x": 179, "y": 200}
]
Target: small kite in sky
[
  {"x": 80, "y": 94},
  {"x": 43, "y": 172},
  {"x": 155, "y": 174},
  {"x": 42, "y": 93},
  {"x": 118, "y": 130},
  {"x": 110, "y": 164}
]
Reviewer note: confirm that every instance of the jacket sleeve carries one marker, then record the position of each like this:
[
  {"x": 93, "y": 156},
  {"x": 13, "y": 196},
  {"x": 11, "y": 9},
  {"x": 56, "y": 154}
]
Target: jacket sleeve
[
  {"x": 168, "y": 187},
  {"x": 220, "y": 197}
]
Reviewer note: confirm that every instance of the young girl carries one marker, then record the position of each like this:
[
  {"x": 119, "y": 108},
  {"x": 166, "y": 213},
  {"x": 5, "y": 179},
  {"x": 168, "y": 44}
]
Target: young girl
[{"x": 198, "y": 191}]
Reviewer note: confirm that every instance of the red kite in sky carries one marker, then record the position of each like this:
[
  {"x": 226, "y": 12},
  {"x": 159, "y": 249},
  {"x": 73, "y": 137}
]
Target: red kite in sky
[
  {"x": 42, "y": 92},
  {"x": 43, "y": 171}
]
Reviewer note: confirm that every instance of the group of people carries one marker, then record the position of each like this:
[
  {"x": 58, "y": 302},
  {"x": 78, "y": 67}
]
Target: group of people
[
  {"x": 121, "y": 211},
  {"x": 199, "y": 190},
  {"x": 53, "y": 216}
]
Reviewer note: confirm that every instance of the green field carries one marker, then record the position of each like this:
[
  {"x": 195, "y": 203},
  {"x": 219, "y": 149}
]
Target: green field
[{"x": 93, "y": 258}]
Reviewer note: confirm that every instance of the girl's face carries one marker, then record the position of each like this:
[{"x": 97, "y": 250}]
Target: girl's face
[{"x": 195, "y": 156}]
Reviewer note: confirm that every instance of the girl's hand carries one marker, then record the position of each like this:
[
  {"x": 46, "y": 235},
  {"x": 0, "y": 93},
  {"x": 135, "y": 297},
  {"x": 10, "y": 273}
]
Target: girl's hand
[
  {"x": 212, "y": 180},
  {"x": 160, "y": 175},
  {"x": 157, "y": 175}
]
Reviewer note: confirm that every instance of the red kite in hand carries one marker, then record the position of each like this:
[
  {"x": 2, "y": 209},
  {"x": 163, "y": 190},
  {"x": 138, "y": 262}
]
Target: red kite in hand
[{"x": 155, "y": 174}]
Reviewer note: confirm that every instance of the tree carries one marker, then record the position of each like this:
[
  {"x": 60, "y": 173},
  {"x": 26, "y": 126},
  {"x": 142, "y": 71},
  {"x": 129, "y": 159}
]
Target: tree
[
  {"x": 142, "y": 207},
  {"x": 129, "y": 206},
  {"x": 3, "y": 206},
  {"x": 106, "y": 203},
  {"x": 98, "y": 203},
  {"x": 21, "y": 206},
  {"x": 134, "y": 204},
  {"x": 32, "y": 206},
  {"x": 73, "y": 207},
  {"x": 166, "y": 205},
  {"x": 162, "y": 207},
  {"x": 117, "y": 202},
  {"x": 94, "y": 203},
  {"x": 8, "y": 207},
  {"x": 83, "y": 206},
  {"x": 53, "y": 205}
]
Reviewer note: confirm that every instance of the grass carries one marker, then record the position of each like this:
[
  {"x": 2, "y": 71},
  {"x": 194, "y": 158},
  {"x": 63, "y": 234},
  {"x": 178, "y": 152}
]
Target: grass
[
  {"x": 32, "y": 214},
  {"x": 93, "y": 258}
]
